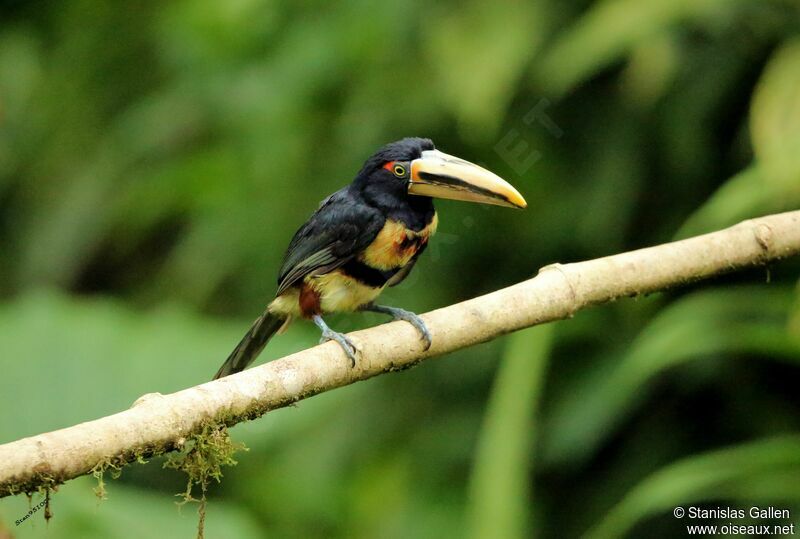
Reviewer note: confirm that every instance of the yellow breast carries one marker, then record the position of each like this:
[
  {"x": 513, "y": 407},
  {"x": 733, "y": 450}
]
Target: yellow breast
[
  {"x": 337, "y": 293},
  {"x": 395, "y": 245},
  {"x": 341, "y": 293},
  {"x": 393, "y": 248}
]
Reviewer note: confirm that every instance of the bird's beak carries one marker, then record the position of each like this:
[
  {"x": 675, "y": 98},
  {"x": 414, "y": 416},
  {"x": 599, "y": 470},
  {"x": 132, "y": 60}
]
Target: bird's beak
[{"x": 436, "y": 174}]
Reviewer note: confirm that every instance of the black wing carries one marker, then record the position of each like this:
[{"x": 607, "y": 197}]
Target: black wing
[{"x": 340, "y": 229}]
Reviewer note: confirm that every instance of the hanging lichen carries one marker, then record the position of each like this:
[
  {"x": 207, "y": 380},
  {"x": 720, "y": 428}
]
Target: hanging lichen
[
  {"x": 99, "y": 471},
  {"x": 207, "y": 452}
]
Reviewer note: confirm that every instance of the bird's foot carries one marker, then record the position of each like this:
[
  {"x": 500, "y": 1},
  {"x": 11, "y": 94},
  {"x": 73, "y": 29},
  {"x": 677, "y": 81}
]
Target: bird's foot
[
  {"x": 329, "y": 335},
  {"x": 402, "y": 314}
]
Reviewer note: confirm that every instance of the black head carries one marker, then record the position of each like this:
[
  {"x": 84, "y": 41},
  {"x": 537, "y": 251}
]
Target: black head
[
  {"x": 385, "y": 176},
  {"x": 409, "y": 172}
]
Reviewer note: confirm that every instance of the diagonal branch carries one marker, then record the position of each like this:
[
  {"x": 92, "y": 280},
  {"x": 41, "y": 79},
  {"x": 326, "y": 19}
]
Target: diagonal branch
[{"x": 158, "y": 423}]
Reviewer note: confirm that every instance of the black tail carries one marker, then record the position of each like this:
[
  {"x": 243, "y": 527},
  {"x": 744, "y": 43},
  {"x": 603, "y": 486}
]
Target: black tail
[{"x": 251, "y": 344}]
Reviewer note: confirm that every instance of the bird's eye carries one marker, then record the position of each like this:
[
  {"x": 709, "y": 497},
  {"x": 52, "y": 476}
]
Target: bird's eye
[{"x": 399, "y": 171}]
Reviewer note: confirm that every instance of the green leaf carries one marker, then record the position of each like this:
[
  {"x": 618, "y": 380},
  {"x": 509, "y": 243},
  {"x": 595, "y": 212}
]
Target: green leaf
[
  {"x": 751, "y": 193},
  {"x": 775, "y": 116},
  {"x": 608, "y": 31},
  {"x": 760, "y": 471},
  {"x": 499, "y": 492},
  {"x": 704, "y": 324},
  {"x": 772, "y": 183},
  {"x": 57, "y": 348},
  {"x": 465, "y": 46}
]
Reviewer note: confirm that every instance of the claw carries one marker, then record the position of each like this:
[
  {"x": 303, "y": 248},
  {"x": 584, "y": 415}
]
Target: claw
[
  {"x": 346, "y": 344},
  {"x": 408, "y": 316},
  {"x": 329, "y": 335},
  {"x": 417, "y": 322}
]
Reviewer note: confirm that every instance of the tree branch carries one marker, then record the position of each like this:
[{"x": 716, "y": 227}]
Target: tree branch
[{"x": 158, "y": 423}]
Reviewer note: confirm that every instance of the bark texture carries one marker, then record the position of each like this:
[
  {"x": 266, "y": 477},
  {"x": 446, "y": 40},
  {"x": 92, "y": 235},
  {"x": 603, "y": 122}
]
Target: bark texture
[{"x": 157, "y": 423}]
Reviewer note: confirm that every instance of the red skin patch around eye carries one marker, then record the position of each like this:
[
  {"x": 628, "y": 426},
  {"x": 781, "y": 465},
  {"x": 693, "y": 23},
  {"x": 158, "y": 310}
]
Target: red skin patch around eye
[{"x": 388, "y": 166}]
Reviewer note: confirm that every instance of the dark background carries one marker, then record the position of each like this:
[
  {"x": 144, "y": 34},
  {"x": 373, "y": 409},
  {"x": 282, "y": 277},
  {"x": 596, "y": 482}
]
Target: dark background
[{"x": 155, "y": 159}]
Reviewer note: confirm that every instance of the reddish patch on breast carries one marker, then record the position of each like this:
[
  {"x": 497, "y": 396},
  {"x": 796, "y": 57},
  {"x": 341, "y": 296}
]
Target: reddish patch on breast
[
  {"x": 309, "y": 301},
  {"x": 395, "y": 245},
  {"x": 406, "y": 247}
]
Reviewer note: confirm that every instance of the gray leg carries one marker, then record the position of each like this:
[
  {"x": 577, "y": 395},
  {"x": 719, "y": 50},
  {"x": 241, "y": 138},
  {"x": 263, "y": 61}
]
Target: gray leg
[
  {"x": 402, "y": 314},
  {"x": 329, "y": 335}
]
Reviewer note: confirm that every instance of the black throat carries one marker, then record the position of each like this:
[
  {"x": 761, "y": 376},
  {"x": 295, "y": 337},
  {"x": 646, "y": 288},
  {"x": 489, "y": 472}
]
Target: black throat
[{"x": 415, "y": 212}]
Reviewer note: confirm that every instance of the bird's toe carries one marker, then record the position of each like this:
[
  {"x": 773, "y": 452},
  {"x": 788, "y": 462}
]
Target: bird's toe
[
  {"x": 346, "y": 344},
  {"x": 418, "y": 323}
]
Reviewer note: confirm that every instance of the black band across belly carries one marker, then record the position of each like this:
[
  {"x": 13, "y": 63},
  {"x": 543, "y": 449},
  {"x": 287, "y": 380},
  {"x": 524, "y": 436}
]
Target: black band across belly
[{"x": 367, "y": 275}]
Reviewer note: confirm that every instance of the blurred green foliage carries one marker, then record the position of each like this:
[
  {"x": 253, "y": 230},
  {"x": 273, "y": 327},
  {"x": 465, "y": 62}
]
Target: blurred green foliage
[{"x": 155, "y": 159}]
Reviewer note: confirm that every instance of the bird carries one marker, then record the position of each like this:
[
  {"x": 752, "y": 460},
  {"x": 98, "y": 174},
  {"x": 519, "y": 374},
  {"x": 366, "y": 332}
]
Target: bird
[{"x": 365, "y": 237}]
